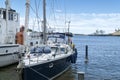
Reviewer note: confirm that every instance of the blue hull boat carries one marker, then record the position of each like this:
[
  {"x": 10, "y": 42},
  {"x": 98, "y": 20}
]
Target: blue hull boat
[{"x": 48, "y": 70}]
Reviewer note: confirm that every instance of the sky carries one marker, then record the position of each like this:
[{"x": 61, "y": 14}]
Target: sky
[{"x": 85, "y": 16}]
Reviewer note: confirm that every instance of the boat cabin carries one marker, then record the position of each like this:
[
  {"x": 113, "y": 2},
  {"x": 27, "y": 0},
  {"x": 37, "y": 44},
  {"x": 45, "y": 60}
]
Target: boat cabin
[{"x": 9, "y": 25}]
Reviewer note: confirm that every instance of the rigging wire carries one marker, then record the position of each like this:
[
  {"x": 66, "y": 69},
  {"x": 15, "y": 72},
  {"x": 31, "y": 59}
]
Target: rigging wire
[
  {"x": 52, "y": 16},
  {"x": 37, "y": 6},
  {"x": 65, "y": 14},
  {"x": 67, "y": 18},
  {"x": 54, "y": 13},
  {"x": 55, "y": 16},
  {"x": 32, "y": 10},
  {"x": 35, "y": 13}
]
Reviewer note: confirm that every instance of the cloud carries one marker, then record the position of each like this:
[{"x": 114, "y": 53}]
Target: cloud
[
  {"x": 22, "y": 21},
  {"x": 90, "y": 22},
  {"x": 85, "y": 23}
]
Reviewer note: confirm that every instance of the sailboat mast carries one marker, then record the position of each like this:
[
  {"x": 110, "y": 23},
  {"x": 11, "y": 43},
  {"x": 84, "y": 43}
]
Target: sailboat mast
[
  {"x": 68, "y": 31},
  {"x": 44, "y": 21},
  {"x": 26, "y": 21},
  {"x": 68, "y": 26}
]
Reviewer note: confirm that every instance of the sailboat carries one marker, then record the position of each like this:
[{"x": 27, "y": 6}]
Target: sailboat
[
  {"x": 49, "y": 59},
  {"x": 9, "y": 25}
]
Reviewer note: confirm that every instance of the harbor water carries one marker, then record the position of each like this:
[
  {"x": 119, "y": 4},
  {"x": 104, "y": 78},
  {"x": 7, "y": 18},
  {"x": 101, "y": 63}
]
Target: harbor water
[{"x": 103, "y": 63}]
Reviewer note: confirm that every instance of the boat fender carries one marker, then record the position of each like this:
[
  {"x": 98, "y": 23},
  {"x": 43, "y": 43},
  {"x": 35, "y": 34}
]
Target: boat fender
[
  {"x": 20, "y": 65},
  {"x": 74, "y": 57},
  {"x": 76, "y": 53}
]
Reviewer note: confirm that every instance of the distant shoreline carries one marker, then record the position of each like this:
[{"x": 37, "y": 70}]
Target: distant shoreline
[{"x": 96, "y": 35}]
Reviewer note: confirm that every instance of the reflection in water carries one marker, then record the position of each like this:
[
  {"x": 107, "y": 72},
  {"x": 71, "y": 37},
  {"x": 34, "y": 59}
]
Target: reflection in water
[
  {"x": 8, "y": 73},
  {"x": 70, "y": 74},
  {"x": 104, "y": 60}
]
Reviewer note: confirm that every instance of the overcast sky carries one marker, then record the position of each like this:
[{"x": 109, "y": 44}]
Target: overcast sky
[{"x": 86, "y": 16}]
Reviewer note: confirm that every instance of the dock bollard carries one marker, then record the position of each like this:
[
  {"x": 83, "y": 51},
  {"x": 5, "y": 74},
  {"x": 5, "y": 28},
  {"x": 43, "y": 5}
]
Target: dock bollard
[
  {"x": 81, "y": 75},
  {"x": 86, "y": 53}
]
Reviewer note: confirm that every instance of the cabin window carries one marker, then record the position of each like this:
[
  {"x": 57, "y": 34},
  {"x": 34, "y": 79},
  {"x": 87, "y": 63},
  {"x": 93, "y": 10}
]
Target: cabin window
[
  {"x": 4, "y": 14},
  {"x": 15, "y": 17},
  {"x": 10, "y": 16},
  {"x": 31, "y": 43},
  {"x": 0, "y": 14},
  {"x": 0, "y": 29},
  {"x": 54, "y": 49},
  {"x": 62, "y": 49}
]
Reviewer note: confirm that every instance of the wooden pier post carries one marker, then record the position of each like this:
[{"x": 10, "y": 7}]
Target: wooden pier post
[
  {"x": 86, "y": 53},
  {"x": 81, "y": 75}
]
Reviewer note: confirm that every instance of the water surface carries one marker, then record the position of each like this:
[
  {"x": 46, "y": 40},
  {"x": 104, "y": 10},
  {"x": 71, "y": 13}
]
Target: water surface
[{"x": 104, "y": 60}]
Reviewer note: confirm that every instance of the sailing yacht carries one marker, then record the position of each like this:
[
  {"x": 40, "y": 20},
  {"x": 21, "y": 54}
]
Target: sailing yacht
[
  {"x": 49, "y": 59},
  {"x": 9, "y": 25}
]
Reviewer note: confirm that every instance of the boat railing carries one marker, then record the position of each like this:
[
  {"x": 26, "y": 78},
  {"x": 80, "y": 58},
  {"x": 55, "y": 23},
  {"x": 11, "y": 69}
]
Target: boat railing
[{"x": 36, "y": 57}]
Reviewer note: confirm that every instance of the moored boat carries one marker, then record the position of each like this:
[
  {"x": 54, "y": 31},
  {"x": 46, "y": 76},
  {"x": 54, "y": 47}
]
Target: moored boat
[
  {"x": 9, "y": 25},
  {"x": 46, "y": 62},
  {"x": 49, "y": 59}
]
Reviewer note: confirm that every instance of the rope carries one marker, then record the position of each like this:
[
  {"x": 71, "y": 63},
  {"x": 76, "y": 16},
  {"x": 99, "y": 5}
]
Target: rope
[
  {"x": 37, "y": 16},
  {"x": 20, "y": 70},
  {"x": 40, "y": 73}
]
